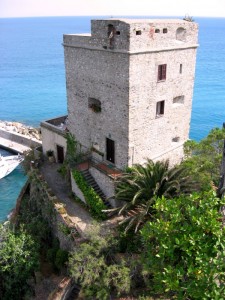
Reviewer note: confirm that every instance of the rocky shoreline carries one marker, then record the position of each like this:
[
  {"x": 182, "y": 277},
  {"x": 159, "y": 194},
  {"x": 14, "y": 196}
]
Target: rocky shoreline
[{"x": 20, "y": 128}]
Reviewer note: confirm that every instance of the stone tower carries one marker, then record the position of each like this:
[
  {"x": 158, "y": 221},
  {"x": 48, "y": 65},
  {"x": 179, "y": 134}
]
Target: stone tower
[{"x": 129, "y": 88}]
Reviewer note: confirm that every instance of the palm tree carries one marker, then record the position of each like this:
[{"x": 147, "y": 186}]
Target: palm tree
[{"x": 139, "y": 188}]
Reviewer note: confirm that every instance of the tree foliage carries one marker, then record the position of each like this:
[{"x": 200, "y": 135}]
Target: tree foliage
[
  {"x": 185, "y": 247},
  {"x": 94, "y": 266},
  {"x": 139, "y": 187},
  {"x": 203, "y": 159},
  {"x": 18, "y": 260}
]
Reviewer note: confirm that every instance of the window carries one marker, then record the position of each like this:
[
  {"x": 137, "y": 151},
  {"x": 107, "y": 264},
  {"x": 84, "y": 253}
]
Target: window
[
  {"x": 181, "y": 34},
  {"x": 111, "y": 34},
  {"x": 138, "y": 32},
  {"x": 176, "y": 139},
  {"x": 161, "y": 72},
  {"x": 94, "y": 105},
  {"x": 111, "y": 30},
  {"x": 181, "y": 68},
  {"x": 157, "y": 31},
  {"x": 178, "y": 100},
  {"x": 118, "y": 32},
  {"x": 160, "y": 108},
  {"x": 165, "y": 30}
]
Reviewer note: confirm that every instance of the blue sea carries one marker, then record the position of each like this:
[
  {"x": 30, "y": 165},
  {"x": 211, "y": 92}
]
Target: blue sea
[{"x": 32, "y": 79}]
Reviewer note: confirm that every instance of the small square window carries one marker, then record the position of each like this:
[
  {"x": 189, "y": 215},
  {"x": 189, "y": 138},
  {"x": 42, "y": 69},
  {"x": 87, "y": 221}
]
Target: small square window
[
  {"x": 176, "y": 139},
  {"x": 165, "y": 30},
  {"x": 94, "y": 105},
  {"x": 162, "y": 72},
  {"x": 118, "y": 32},
  {"x": 160, "y": 106},
  {"x": 157, "y": 30},
  {"x": 138, "y": 32}
]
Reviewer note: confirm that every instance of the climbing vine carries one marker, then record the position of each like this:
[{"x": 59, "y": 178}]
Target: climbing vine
[
  {"x": 74, "y": 153},
  {"x": 92, "y": 199}
]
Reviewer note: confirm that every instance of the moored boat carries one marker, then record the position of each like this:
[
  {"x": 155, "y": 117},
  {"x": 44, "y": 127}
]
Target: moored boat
[{"x": 8, "y": 164}]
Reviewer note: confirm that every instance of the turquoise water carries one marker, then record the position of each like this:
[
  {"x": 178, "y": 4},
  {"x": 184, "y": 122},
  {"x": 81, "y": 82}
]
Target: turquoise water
[
  {"x": 32, "y": 78},
  {"x": 10, "y": 187}
]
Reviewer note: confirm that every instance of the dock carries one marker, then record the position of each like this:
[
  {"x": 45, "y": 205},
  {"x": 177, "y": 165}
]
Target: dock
[
  {"x": 13, "y": 141},
  {"x": 13, "y": 146}
]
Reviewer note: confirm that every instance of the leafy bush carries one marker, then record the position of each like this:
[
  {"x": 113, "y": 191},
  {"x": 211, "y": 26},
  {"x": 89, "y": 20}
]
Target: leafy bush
[
  {"x": 18, "y": 261},
  {"x": 94, "y": 202},
  {"x": 63, "y": 169},
  {"x": 184, "y": 247},
  {"x": 94, "y": 267},
  {"x": 50, "y": 153},
  {"x": 56, "y": 256},
  {"x": 128, "y": 242},
  {"x": 51, "y": 254},
  {"x": 64, "y": 229},
  {"x": 203, "y": 159},
  {"x": 61, "y": 258}
]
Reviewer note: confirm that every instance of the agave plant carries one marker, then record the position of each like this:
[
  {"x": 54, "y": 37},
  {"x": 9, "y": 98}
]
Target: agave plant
[{"x": 139, "y": 188}]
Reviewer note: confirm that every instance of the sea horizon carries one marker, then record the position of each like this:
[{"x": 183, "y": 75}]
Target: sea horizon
[{"x": 32, "y": 75}]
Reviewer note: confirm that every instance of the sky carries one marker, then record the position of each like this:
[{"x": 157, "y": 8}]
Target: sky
[{"x": 36, "y": 8}]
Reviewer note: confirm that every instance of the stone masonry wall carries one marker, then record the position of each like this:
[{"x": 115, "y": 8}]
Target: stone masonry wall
[
  {"x": 106, "y": 184},
  {"x": 150, "y": 134},
  {"x": 103, "y": 76},
  {"x": 76, "y": 190},
  {"x": 121, "y": 72},
  {"x": 174, "y": 155},
  {"x": 135, "y": 35},
  {"x": 51, "y": 139}
]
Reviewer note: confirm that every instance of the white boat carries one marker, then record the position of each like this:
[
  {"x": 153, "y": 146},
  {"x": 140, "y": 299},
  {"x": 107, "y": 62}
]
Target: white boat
[{"x": 8, "y": 164}]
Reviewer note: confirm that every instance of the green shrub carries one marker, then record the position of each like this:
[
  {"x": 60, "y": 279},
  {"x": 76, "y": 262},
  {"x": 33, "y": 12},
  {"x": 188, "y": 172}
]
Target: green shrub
[
  {"x": 64, "y": 229},
  {"x": 61, "y": 258},
  {"x": 51, "y": 254},
  {"x": 128, "y": 242},
  {"x": 94, "y": 266},
  {"x": 19, "y": 259},
  {"x": 94, "y": 202},
  {"x": 184, "y": 247}
]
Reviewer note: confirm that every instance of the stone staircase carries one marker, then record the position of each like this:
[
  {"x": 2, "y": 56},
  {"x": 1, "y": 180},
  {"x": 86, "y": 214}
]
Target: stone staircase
[{"x": 91, "y": 181}]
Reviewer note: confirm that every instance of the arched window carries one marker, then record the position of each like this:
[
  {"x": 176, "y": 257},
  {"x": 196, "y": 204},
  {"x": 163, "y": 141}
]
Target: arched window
[
  {"x": 181, "y": 34},
  {"x": 111, "y": 34},
  {"x": 111, "y": 31},
  {"x": 178, "y": 100}
]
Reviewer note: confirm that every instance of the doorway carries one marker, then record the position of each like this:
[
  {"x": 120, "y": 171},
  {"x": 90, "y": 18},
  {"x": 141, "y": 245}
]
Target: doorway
[
  {"x": 110, "y": 150},
  {"x": 60, "y": 154}
]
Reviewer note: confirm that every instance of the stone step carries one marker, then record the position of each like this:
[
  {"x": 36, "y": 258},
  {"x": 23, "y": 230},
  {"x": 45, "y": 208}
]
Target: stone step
[{"x": 91, "y": 182}]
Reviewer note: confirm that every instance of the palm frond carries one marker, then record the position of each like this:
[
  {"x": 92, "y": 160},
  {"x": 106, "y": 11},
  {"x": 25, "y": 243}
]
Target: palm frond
[{"x": 143, "y": 185}]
